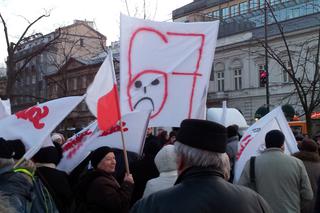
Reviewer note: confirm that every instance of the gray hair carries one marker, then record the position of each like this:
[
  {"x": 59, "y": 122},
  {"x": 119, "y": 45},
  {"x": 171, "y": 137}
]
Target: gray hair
[{"x": 197, "y": 157}]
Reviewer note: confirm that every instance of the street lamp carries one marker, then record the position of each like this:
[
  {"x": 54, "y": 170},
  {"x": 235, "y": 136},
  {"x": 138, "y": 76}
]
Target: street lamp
[{"x": 266, "y": 67}]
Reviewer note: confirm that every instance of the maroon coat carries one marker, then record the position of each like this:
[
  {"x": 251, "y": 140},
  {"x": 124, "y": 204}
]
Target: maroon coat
[{"x": 102, "y": 193}]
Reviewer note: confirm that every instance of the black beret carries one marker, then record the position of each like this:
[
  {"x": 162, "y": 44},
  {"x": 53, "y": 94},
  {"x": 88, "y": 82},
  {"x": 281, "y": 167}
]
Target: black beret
[
  {"x": 48, "y": 154},
  {"x": 11, "y": 149},
  {"x": 203, "y": 134},
  {"x": 98, "y": 154}
]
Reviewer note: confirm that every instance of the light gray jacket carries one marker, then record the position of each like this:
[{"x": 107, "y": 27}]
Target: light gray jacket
[
  {"x": 165, "y": 161},
  {"x": 281, "y": 180}
]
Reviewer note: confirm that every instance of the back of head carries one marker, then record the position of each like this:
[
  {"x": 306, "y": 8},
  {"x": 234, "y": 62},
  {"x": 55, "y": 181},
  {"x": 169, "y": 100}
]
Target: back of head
[
  {"x": 274, "y": 139},
  {"x": 50, "y": 154},
  {"x": 309, "y": 145},
  {"x": 11, "y": 149},
  {"x": 232, "y": 131},
  {"x": 203, "y": 143},
  {"x": 166, "y": 158}
]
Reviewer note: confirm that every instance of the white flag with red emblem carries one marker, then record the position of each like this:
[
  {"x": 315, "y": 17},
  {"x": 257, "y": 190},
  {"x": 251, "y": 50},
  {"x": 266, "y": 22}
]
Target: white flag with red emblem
[
  {"x": 33, "y": 125},
  {"x": 78, "y": 147},
  {"x": 165, "y": 68},
  {"x": 252, "y": 142},
  {"x": 102, "y": 95}
]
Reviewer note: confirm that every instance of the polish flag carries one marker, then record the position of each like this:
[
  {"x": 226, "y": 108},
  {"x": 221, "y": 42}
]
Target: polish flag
[{"x": 102, "y": 95}]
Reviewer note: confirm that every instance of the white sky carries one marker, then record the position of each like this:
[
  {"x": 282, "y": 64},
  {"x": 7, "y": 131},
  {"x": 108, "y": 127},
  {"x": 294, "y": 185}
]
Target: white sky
[{"x": 105, "y": 13}]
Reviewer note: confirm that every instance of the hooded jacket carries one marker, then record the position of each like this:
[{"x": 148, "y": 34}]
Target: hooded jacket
[{"x": 165, "y": 161}]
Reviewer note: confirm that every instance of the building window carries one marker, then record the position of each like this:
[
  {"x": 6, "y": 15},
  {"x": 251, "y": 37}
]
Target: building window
[
  {"x": 237, "y": 79},
  {"x": 74, "y": 84},
  {"x": 243, "y": 7},
  {"x": 254, "y": 4},
  {"x": 285, "y": 75},
  {"x": 212, "y": 73},
  {"x": 81, "y": 42},
  {"x": 215, "y": 14},
  {"x": 33, "y": 78},
  {"x": 234, "y": 10},
  {"x": 220, "y": 80},
  {"x": 225, "y": 12}
]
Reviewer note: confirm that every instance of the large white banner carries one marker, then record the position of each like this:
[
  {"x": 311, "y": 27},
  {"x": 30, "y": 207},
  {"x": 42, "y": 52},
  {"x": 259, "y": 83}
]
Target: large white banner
[
  {"x": 79, "y": 146},
  {"x": 165, "y": 67},
  {"x": 252, "y": 142},
  {"x": 33, "y": 125}
]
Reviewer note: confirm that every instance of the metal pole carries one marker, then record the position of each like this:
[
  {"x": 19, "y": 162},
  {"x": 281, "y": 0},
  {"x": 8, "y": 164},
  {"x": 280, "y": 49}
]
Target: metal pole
[{"x": 266, "y": 67}]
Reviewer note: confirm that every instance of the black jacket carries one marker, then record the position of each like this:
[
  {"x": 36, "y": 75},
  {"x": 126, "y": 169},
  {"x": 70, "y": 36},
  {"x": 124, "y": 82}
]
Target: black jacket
[{"x": 203, "y": 190}]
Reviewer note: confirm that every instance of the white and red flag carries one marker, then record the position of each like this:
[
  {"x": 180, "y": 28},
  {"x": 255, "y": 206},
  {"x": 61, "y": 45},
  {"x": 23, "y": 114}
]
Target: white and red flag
[
  {"x": 78, "y": 147},
  {"x": 252, "y": 142},
  {"x": 102, "y": 95},
  {"x": 33, "y": 125}
]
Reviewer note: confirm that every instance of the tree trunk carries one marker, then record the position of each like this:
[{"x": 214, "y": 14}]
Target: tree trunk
[{"x": 309, "y": 124}]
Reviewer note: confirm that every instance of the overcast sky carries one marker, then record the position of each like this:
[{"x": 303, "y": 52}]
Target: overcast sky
[{"x": 105, "y": 13}]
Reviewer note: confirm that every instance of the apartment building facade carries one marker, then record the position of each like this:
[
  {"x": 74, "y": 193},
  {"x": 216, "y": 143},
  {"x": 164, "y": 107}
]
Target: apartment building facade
[{"x": 239, "y": 56}]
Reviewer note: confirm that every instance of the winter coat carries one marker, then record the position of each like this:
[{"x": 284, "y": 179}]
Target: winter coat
[
  {"x": 99, "y": 192},
  {"x": 202, "y": 190},
  {"x": 57, "y": 183},
  {"x": 280, "y": 179},
  {"x": 311, "y": 160},
  {"x": 165, "y": 161},
  {"x": 231, "y": 150}
]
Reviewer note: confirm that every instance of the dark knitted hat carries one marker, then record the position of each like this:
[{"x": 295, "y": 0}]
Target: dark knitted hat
[
  {"x": 309, "y": 145},
  {"x": 274, "y": 138},
  {"x": 202, "y": 134},
  {"x": 50, "y": 154},
  {"x": 98, "y": 154},
  {"x": 11, "y": 149}
]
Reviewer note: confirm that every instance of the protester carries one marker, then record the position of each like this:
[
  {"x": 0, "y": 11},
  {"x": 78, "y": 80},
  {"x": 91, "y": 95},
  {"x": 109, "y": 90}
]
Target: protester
[
  {"x": 232, "y": 147},
  {"x": 99, "y": 191},
  {"x": 145, "y": 169},
  {"x": 56, "y": 181},
  {"x": 172, "y": 138},
  {"x": 299, "y": 138},
  {"x": 311, "y": 160},
  {"x": 165, "y": 161},
  {"x": 280, "y": 179},
  {"x": 58, "y": 138},
  {"x": 23, "y": 191},
  {"x": 203, "y": 167}
]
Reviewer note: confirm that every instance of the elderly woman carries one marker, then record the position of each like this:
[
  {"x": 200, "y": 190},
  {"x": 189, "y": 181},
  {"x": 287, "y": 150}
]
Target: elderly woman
[{"x": 99, "y": 191}]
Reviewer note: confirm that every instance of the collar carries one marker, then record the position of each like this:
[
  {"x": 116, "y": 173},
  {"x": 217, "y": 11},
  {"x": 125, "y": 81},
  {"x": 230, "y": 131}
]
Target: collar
[
  {"x": 197, "y": 171},
  {"x": 233, "y": 138},
  {"x": 272, "y": 150},
  {"x": 170, "y": 173},
  {"x": 50, "y": 165}
]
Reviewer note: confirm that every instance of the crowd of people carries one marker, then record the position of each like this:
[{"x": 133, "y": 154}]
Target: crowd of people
[{"x": 191, "y": 169}]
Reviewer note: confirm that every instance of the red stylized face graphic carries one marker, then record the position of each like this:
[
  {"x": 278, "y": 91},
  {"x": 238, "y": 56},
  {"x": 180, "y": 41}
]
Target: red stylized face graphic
[{"x": 148, "y": 89}]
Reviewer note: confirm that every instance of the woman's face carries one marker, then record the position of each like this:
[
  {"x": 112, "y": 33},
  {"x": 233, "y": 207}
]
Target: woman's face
[{"x": 108, "y": 163}]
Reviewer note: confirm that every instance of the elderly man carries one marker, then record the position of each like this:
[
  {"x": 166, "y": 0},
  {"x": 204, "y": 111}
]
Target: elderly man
[
  {"x": 280, "y": 179},
  {"x": 203, "y": 167}
]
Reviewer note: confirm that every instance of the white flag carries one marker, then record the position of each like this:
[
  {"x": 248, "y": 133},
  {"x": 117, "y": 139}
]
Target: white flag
[
  {"x": 165, "y": 67},
  {"x": 79, "y": 146},
  {"x": 252, "y": 142},
  {"x": 33, "y": 125}
]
